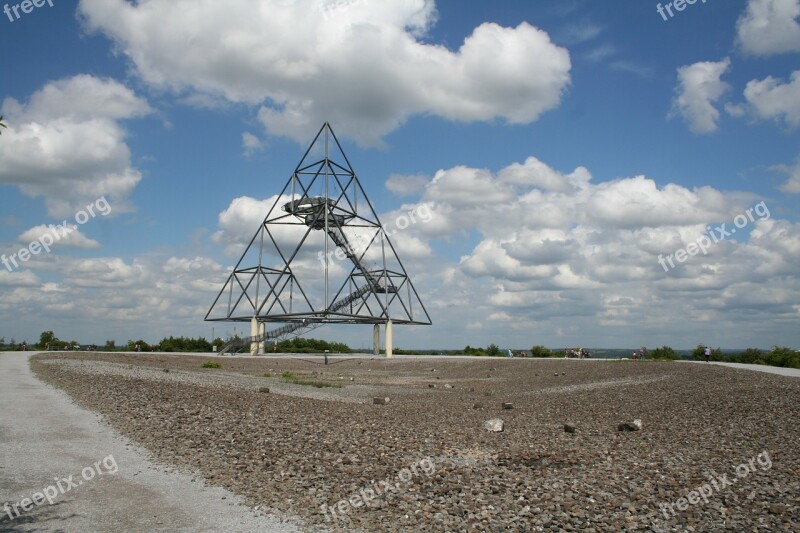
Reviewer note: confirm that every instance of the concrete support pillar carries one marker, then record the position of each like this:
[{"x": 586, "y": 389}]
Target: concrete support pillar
[
  {"x": 376, "y": 339},
  {"x": 253, "y": 333},
  {"x": 262, "y": 327},
  {"x": 388, "y": 339}
]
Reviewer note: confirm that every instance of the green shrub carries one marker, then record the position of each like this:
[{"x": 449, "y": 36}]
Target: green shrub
[
  {"x": 665, "y": 353},
  {"x": 752, "y": 356},
  {"x": 211, "y": 364},
  {"x": 541, "y": 351},
  {"x": 699, "y": 354},
  {"x": 783, "y": 356},
  {"x": 300, "y": 345}
]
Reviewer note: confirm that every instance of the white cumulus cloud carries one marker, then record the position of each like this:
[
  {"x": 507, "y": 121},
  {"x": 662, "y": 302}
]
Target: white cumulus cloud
[
  {"x": 364, "y": 66},
  {"x": 773, "y": 99},
  {"x": 769, "y": 27},
  {"x": 699, "y": 88},
  {"x": 67, "y": 145}
]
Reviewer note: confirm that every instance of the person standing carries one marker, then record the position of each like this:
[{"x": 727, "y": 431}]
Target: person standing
[{"x": 707, "y": 353}]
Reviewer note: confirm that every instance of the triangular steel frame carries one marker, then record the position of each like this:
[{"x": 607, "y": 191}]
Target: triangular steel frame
[{"x": 269, "y": 288}]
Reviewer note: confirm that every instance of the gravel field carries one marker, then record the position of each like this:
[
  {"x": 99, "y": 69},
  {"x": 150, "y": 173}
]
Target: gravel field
[{"x": 424, "y": 462}]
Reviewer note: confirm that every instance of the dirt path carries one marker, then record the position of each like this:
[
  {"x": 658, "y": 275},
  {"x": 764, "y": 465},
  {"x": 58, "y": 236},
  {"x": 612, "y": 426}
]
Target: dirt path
[{"x": 95, "y": 479}]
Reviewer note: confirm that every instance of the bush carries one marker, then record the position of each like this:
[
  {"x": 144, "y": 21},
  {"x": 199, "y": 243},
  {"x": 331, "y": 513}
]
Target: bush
[
  {"x": 211, "y": 364},
  {"x": 184, "y": 344},
  {"x": 665, "y": 353},
  {"x": 752, "y": 356},
  {"x": 469, "y": 350},
  {"x": 541, "y": 351},
  {"x": 300, "y": 345},
  {"x": 783, "y": 356},
  {"x": 699, "y": 354}
]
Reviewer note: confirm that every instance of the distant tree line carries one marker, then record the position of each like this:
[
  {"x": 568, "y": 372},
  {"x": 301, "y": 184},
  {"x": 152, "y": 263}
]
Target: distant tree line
[
  {"x": 492, "y": 350},
  {"x": 781, "y": 356},
  {"x": 300, "y": 345}
]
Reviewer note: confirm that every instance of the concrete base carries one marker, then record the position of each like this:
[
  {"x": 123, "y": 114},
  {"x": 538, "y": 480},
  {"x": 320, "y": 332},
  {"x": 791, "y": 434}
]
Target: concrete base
[
  {"x": 376, "y": 339},
  {"x": 388, "y": 339},
  {"x": 253, "y": 333}
]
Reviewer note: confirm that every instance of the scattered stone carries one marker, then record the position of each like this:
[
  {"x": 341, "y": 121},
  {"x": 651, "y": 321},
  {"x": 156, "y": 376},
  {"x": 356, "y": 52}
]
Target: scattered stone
[
  {"x": 519, "y": 481},
  {"x": 432, "y": 385},
  {"x": 448, "y": 386},
  {"x": 263, "y": 389},
  {"x": 166, "y": 370},
  {"x": 380, "y": 400},
  {"x": 636, "y": 425},
  {"x": 508, "y": 405},
  {"x": 495, "y": 425},
  {"x": 556, "y": 374},
  {"x": 569, "y": 428}
]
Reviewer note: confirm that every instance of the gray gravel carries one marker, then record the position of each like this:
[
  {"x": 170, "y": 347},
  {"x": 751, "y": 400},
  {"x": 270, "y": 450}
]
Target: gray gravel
[
  {"x": 44, "y": 436},
  {"x": 297, "y": 454}
]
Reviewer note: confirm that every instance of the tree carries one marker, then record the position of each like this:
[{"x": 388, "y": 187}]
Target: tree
[
  {"x": 493, "y": 350},
  {"x": 1, "y": 124},
  {"x": 143, "y": 346},
  {"x": 48, "y": 340},
  {"x": 110, "y": 345}
]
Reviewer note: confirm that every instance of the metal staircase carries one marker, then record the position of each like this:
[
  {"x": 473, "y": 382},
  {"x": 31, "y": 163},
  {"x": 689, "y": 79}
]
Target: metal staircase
[{"x": 312, "y": 210}]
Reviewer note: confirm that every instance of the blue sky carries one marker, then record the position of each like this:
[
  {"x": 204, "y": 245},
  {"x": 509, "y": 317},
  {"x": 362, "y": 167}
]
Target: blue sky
[{"x": 563, "y": 148}]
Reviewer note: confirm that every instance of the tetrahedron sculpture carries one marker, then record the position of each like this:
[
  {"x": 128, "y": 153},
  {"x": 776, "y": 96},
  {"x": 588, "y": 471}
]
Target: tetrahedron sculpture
[{"x": 320, "y": 256}]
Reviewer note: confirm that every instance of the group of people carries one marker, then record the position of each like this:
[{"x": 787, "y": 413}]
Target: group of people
[{"x": 576, "y": 353}]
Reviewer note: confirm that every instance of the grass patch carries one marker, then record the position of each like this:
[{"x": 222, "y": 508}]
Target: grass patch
[
  {"x": 291, "y": 377},
  {"x": 211, "y": 364}
]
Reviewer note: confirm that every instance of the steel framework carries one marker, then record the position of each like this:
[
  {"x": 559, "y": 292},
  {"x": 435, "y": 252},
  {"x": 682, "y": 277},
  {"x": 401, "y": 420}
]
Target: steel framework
[{"x": 321, "y": 218}]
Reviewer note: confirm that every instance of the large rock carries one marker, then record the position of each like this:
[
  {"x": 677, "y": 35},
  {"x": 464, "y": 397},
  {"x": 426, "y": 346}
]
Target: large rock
[
  {"x": 636, "y": 425},
  {"x": 380, "y": 400},
  {"x": 495, "y": 425}
]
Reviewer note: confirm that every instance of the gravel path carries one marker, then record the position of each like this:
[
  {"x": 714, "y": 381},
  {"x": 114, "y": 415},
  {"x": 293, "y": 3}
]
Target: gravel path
[
  {"x": 45, "y": 440},
  {"x": 790, "y": 372},
  {"x": 424, "y": 462}
]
